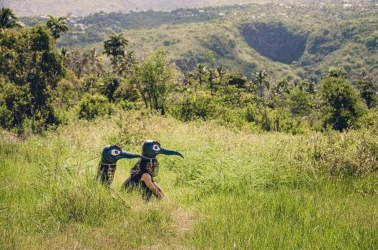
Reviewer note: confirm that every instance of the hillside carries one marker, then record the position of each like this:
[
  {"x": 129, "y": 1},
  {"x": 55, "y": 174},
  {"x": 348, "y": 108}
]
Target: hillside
[
  {"x": 286, "y": 40},
  {"x": 85, "y": 7}
]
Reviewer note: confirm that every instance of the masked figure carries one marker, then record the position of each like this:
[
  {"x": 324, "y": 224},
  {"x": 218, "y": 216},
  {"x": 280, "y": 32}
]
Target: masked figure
[
  {"x": 108, "y": 164},
  {"x": 143, "y": 173}
]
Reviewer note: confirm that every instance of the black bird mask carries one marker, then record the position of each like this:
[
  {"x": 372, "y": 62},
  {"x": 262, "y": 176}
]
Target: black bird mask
[
  {"x": 109, "y": 157},
  {"x": 112, "y": 153},
  {"x": 151, "y": 149}
]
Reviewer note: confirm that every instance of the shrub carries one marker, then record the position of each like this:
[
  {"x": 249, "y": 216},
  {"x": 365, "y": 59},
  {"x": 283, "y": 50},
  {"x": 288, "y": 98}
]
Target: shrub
[
  {"x": 166, "y": 43},
  {"x": 202, "y": 107},
  {"x": 93, "y": 106},
  {"x": 371, "y": 42},
  {"x": 343, "y": 106},
  {"x": 14, "y": 105}
]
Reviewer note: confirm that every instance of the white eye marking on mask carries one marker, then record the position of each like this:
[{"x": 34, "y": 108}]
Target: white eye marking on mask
[
  {"x": 156, "y": 148},
  {"x": 115, "y": 152}
]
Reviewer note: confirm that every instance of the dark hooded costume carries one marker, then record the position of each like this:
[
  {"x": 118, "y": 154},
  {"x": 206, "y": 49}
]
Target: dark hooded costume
[
  {"x": 108, "y": 164},
  {"x": 148, "y": 164}
]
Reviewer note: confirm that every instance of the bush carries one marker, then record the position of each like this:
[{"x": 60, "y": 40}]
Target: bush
[
  {"x": 166, "y": 43},
  {"x": 93, "y": 106},
  {"x": 202, "y": 107},
  {"x": 343, "y": 104},
  {"x": 371, "y": 42},
  {"x": 14, "y": 105}
]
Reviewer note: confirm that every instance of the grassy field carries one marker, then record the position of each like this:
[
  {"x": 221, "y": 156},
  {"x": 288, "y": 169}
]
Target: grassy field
[{"x": 233, "y": 190}]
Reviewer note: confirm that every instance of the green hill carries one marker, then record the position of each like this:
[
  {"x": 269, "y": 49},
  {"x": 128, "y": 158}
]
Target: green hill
[
  {"x": 287, "y": 40},
  {"x": 293, "y": 41}
]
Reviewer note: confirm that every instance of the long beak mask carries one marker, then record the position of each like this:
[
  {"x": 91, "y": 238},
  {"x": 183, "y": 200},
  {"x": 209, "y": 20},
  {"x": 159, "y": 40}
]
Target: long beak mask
[
  {"x": 107, "y": 167},
  {"x": 152, "y": 148},
  {"x": 170, "y": 152},
  {"x": 112, "y": 153}
]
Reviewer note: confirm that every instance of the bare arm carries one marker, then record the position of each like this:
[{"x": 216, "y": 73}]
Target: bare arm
[
  {"x": 159, "y": 188},
  {"x": 155, "y": 189}
]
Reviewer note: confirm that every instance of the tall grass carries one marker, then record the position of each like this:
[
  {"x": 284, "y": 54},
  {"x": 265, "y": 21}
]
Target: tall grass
[{"x": 233, "y": 190}]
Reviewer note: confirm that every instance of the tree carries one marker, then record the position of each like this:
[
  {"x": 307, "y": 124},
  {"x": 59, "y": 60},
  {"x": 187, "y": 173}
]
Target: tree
[
  {"x": 237, "y": 79},
  {"x": 281, "y": 88},
  {"x": 126, "y": 63},
  {"x": 200, "y": 73},
  {"x": 152, "y": 77},
  {"x": 82, "y": 62},
  {"x": 109, "y": 86},
  {"x": 336, "y": 72},
  {"x": 8, "y": 20},
  {"x": 342, "y": 105},
  {"x": 31, "y": 66},
  {"x": 300, "y": 102},
  {"x": 115, "y": 48},
  {"x": 368, "y": 93},
  {"x": 57, "y": 25},
  {"x": 259, "y": 79}
]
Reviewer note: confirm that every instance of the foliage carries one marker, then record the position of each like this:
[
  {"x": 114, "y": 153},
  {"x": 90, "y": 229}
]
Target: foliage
[
  {"x": 372, "y": 41},
  {"x": 115, "y": 48},
  {"x": 259, "y": 79},
  {"x": 201, "y": 106},
  {"x": 57, "y": 25},
  {"x": 93, "y": 106},
  {"x": 82, "y": 63},
  {"x": 368, "y": 92},
  {"x": 153, "y": 78},
  {"x": 343, "y": 107},
  {"x": 29, "y": 61},
  {"x": 220, "y": 45},
  {"x": 14, "y": 105},
  {"x": 300, "y": 102},
  {"x": 8, "y": 20},
  {"x": 126, "y": 92}
]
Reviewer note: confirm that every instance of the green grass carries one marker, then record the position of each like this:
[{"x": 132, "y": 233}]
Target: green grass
[{"x": 233, "y": 190}]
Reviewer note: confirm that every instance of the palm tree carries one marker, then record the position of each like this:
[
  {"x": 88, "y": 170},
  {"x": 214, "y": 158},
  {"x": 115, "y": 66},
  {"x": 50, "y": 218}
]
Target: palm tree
[
  {"x": 8, "y": 20},
  {"x": 115, "y": 47},
  {"x": 200, "y": 73},
  {"x": 282, "y": 87},
  {"x": 259, "y": 79},
  {"x": 126, "y": 63},
  {"x": 57, "y": 26}
]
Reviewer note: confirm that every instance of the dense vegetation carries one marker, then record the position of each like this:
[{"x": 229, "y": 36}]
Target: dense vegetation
[{"x": 283, "y": 157}]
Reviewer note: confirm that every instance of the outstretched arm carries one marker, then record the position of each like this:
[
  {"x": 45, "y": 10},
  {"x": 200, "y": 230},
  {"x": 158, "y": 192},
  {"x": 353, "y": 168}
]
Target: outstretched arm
[{"x": 155, "y": 189}]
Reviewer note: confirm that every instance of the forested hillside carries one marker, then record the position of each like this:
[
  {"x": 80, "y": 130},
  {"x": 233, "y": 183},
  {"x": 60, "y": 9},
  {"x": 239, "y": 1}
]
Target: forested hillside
[{"x": 286, "y": 40}]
